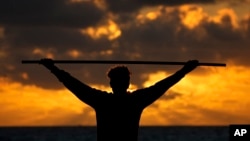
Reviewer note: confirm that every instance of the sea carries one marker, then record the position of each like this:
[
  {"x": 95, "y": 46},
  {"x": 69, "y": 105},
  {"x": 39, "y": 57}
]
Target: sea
[{"x": 84, "y": 133}]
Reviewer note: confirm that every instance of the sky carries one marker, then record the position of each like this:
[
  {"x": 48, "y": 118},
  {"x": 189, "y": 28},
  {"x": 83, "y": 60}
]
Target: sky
[{"x": 207, "y": 30}]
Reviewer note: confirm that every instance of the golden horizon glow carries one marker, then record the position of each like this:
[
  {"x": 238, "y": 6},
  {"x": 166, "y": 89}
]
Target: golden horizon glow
[
  {"x": 31, "y": 105},
  {"x": 218, "y": 98}
]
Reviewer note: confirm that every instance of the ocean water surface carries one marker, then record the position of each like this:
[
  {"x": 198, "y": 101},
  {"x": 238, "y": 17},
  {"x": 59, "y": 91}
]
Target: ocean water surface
[{"x": 146, "y": 133}]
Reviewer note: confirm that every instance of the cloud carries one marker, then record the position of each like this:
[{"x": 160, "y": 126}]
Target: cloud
[
  {"x": 138, "y": 30},
  {"x": 171, "y": 39},
  {"x": 234, "y": 2},
  {"x": 49, "y": 13},
  {"x": 40, "y": 42},
  {"x": 126, "y": 6},
  {"x": 166, "y": 37}
]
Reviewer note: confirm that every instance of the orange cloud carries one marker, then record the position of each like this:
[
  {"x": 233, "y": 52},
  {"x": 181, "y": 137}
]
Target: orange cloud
[
  {"x": 222, "y": 13},
  {"x": 191, "y": 16},
  {"x": 149, "y": 13},
  {"x": 110, "y": 30}
]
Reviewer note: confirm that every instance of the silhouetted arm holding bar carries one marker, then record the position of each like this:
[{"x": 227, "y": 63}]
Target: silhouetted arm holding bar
[
  {"x": 150, "y": 94},
  {"x": 81, "y": 90},
  {"x": 121, "y": 62}
]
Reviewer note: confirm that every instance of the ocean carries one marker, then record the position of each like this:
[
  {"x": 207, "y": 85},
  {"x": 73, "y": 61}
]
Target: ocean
[{"x": 146, "y": 133}]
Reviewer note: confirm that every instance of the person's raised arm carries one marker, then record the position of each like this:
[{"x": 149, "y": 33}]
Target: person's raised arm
[
  {"x": 152, "y": 93},
  {"x": 81, "y": 90}
]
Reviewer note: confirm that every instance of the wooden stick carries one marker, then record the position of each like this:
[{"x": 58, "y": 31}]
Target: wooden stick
[{"x": 120, "y": 62}]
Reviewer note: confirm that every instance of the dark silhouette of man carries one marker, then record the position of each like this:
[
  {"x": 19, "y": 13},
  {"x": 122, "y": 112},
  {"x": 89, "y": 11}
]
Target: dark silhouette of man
[{"x": 118, "y": 113}]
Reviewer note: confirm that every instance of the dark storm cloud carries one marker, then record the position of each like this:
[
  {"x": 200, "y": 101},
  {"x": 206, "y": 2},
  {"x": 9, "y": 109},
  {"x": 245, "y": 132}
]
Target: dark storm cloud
[
  {"x": 49, "y": 13},
  {"x": 45, "y": 37},
  {"x": 164, "y": 39},
  {"x": 235, "y": 2},
  {"x": 19, "y": 44},
  {"x": 167, "y": 39},
  {"x": 124, "y": 6},
  {"x": 226, "y": 41}
]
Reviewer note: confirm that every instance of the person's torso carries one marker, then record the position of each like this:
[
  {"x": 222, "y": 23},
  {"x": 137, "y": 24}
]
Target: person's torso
[{"x": 118, "y": 116}]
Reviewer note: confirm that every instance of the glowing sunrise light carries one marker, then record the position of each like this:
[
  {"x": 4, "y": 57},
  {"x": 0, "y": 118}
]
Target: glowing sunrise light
[
  {"x": 30, "y": 95},
  {"x": 218, "y": 97},
  {"x": 31, "y": 105},
  {"x": 153, "y": 78}
]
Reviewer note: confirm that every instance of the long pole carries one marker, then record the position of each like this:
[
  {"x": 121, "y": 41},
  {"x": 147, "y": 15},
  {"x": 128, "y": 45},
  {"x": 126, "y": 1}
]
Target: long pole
[{"x": 121, "y": 62}]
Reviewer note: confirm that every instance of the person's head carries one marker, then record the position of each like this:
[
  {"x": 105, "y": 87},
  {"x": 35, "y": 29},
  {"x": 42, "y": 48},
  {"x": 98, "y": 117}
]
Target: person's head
[{"x": 119, "y": 79}]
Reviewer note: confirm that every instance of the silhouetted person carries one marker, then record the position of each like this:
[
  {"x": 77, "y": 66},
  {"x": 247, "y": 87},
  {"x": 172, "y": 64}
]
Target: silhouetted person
[{"x": 118, "y": 113}]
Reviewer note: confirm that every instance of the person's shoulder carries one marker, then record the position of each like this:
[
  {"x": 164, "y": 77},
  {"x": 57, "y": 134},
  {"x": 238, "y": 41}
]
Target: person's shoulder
[
  {"x": 142, "y": 89},
  {"x": 100, "y": 93},
  {"x": 138, "y": 91},
  {"x": 103, "y": 92}
]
